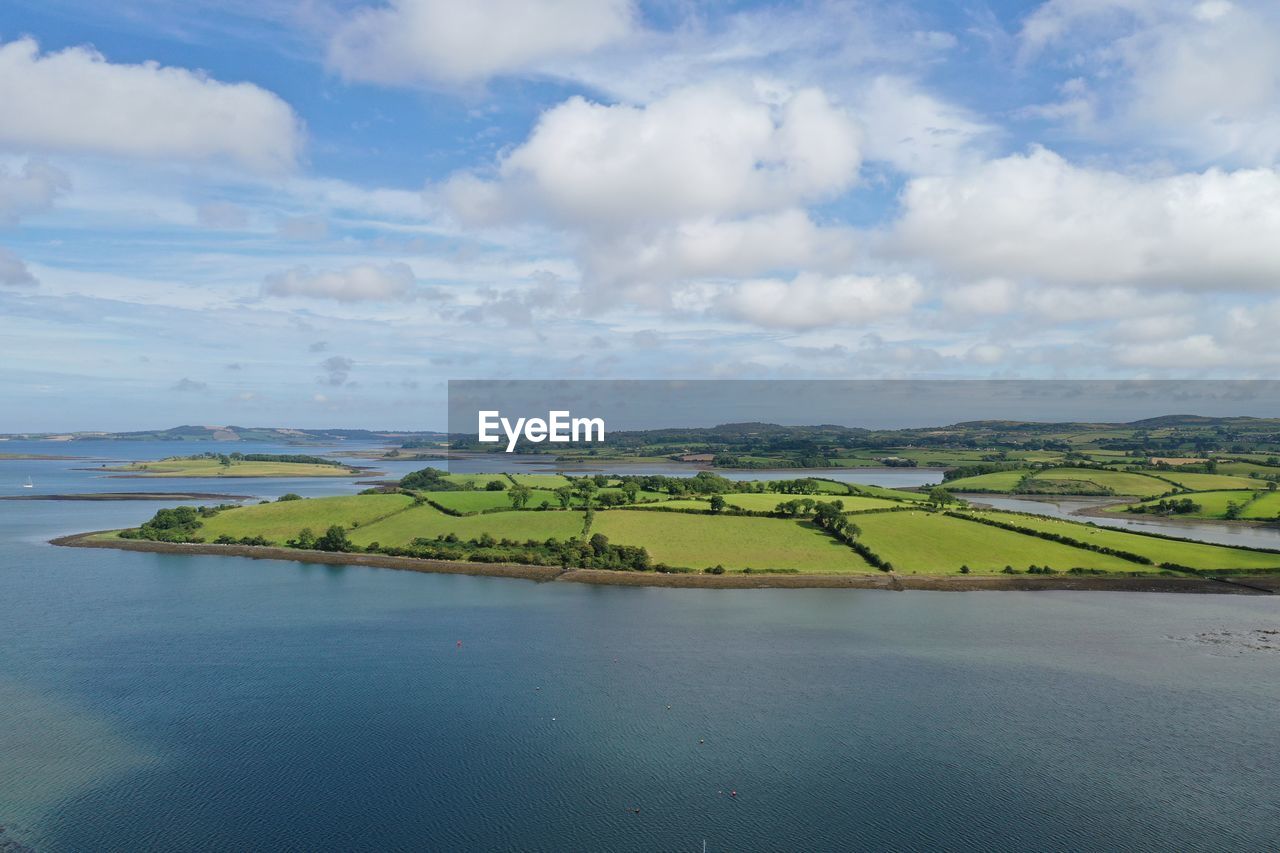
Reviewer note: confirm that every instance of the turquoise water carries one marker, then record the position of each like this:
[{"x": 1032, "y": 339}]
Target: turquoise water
[{"x": 205, "y": 703}]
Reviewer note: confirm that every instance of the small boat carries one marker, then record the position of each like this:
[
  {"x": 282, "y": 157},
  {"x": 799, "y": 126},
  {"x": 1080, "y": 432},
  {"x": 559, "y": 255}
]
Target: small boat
[{"x": 28, "y": 484}]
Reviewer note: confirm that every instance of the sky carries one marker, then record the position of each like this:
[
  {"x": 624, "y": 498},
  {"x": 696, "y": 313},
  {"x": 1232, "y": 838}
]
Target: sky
[{"x": 316, "y": 213}]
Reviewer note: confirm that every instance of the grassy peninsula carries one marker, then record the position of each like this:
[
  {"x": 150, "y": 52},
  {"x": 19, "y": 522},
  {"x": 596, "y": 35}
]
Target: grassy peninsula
[
  {"x": 701, "y": 525},
  {"x": 224, "y": 465}
]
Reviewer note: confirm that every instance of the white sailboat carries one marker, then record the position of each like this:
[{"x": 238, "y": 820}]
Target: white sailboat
[{"x": 28, "y": 484}]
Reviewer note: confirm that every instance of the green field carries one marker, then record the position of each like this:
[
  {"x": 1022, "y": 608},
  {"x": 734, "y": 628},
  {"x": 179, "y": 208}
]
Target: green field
[
  {"x": 1245, "y": 469},
  {"x": 768, "y": 502},
  {"x": 1258, "y": 504},
  {"x": 882, "y": 492},
  {"x": 1064, "y": 481},
  {"x": 540, "y": 481},
  {"x": 998, "y": 481},
  {"x": 427, "y": 522},
  {"x": 1206, "y": 482},
  {"x": 282, "y": 520},
  {"x": 1119, "y": 482},
  {"x": 736, "y": 542},
  {"x": 480, "y": 501},
  {"x": 931, "y": 543},
  {"x": 214, "y": 468},
  {"x": 1192, "y": 554},
  {"x": 678, "y": 539}
]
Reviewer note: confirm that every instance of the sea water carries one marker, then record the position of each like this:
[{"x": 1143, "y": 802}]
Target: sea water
[{"x": 152, "y": 701}]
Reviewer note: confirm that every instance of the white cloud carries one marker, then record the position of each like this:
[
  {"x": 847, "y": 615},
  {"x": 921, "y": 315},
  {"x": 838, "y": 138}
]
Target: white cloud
[
  {"x": 32, "y": 191},
  {"x": 810, "y": 301},
  {"x": 1202, "y": 76},
  {"x": 701, "y": 151},
  {"x": 75, "y": 100},
  {"x": 444, "y": 41},
  {"x": 13, "y": 272},
  {"x": 914, "y": 131},
  {"x": 1037, "y": 216},
  {"x": 706, "y": 182},
  {"x": 359, "y": 283},
  {"x": 711, "y": 248}
]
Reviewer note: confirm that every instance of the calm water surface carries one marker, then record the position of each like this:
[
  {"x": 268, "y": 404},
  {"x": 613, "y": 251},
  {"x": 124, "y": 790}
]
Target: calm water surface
[{"x": 208, "y": 703}]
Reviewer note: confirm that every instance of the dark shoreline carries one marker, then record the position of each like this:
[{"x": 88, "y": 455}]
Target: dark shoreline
[{"x": 892, "y": 581}]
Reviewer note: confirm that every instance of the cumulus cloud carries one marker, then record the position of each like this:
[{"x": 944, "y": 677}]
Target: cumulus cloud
[
  {"x": 443, "y": 41},
  {"x": 13, "y": 272},
  {"x": 701, "y": 151},
  {"x": 359, "y": 283},
  {"x": 1037, "y": 216},
  {"x": 184, "y": 384},
  {"x": 75, "y": 100},
  {"x": 33, "y": 190},
  {"x": 708, "y": 180},
  {"x": 810, "y": 301}
]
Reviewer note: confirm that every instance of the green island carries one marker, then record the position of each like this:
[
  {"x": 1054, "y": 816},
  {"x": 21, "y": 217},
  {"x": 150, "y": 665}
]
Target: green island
[
  {"x": 237, "y": 465},
  {"x": 704, "y": 525}
]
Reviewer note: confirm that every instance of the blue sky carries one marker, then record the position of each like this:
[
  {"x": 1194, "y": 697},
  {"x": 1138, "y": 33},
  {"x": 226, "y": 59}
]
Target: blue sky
[{"x": 315, "y": 213}]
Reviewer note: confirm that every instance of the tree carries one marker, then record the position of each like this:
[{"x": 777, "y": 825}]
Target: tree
[
  {"x": 564, "y": 494},
  {"x": 334, "y": 539},
  {"x": 586, "y": 488},
  {"x": 717, "y": 503},
  {"x": 305, "y": 539},
  {"x": 495, "y": 486},
  {"x": 599, "y": 543},
  {"x": 939, "y": 496},
  {"x": 631, "y": 490},
  {"x": 519, "y": 496},
  {"x": 830, "y": 516}
]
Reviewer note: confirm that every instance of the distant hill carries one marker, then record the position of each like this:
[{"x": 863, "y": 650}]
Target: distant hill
[{"x": 231, "y": 433}]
